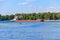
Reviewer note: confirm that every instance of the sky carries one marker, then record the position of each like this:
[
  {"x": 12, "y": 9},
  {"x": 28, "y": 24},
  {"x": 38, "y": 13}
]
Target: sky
[{"x": 28, "y": 6}]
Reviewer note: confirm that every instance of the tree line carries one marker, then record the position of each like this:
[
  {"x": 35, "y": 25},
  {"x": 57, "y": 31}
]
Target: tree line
[{"x": 32, "y": 16}]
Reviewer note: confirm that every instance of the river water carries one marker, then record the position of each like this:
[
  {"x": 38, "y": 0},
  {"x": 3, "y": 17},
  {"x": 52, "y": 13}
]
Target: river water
[{"x": 29, "y": 30}]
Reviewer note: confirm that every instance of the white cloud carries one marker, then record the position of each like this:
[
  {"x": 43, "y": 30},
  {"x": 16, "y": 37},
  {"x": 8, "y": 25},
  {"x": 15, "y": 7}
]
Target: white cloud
[
  {"x": 25, "y": 2},
  {"x": 30, "y": 0},
  {"x": 52, "y": 9}
]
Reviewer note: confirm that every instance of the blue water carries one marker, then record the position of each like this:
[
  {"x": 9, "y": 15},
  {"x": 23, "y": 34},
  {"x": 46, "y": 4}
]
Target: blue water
[{"x": 29, "y": 30}]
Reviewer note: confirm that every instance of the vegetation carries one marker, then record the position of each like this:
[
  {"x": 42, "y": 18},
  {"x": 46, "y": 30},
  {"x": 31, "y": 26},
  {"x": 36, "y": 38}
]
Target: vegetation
[{"x": 32, "y": 16}]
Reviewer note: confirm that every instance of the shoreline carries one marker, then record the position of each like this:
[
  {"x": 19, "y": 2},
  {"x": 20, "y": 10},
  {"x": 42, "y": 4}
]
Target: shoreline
[
  {"x": 51, "y": 20},
  {"x": 37, "y": 20},
  {"x": 29, "y": 21}
]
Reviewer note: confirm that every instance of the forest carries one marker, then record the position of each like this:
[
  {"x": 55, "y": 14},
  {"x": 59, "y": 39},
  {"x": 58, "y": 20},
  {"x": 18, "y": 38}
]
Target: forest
[{"x": 32, "y": 16}]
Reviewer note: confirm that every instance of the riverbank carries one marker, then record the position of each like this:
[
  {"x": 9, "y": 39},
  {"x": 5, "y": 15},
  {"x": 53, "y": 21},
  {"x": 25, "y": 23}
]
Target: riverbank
[
  {"x": 51, "y": 20},
  {"x": 38, "y": 20},
  {"x": 29, "y": 20}
]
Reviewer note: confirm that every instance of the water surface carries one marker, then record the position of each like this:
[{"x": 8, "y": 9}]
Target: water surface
[{"x": 29, "y": 30}]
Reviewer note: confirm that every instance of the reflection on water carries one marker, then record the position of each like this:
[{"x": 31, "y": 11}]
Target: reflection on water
[{"x": 29, "y": 30}]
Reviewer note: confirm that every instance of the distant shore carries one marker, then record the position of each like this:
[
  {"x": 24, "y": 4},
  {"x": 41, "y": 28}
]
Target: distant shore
[
  {"x": 52, "y": 20},
  {"x": 37, "y": 20},
  {"x": 34, "y": 20},
  {"x": 29, "y": 20}
]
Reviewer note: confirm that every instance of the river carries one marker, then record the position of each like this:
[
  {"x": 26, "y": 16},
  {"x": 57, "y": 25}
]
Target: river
[{"x": 29, "y": 30}]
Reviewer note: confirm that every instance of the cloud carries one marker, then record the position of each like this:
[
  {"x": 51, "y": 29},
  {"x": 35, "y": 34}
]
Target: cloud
[
  {"x": 52, "y": 9},
  {"x": 23, "y": 3},
  {"x": 30, "y": 0},
  {"x": 26, "y": 2}
]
